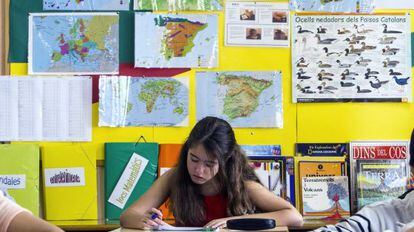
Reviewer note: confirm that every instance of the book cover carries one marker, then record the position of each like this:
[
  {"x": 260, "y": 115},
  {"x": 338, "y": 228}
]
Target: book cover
[
  {"x": 325, "y": 197},
  {"x": 261, "y": 150},
  {"x": 322, "y": 149},
  {"x": 379, "y": 171},
  {"x": 19, "y": 174},
  {"x": 130, "y": 170},
  {"x": 317, "y": 167},
  {"x": 69, "y": 182}
]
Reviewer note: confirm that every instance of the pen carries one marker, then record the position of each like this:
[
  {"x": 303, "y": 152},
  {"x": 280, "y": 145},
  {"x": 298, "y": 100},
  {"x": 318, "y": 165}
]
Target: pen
[{"x": 154, "y": 216}]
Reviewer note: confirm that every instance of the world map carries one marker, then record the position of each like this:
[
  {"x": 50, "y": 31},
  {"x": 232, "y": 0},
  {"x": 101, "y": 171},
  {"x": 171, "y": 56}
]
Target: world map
[
  {"x": 245, "y": 99},
  {"x": 175, "y": 40},
  {"x": 77, "y": 43},
  {"x": 83, "y": 5},
  {"x": 143, "y": 101},
  {"x": 175, "y": 5}
]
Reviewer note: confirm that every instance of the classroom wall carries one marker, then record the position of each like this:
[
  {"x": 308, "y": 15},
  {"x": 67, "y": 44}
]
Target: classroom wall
[{"x": 311, "y": 122}]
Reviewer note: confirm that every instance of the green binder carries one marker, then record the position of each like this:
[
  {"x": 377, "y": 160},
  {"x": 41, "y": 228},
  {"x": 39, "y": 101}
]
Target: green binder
[
  {"x": 19, "y": 174},
  {"x": 125, "y": 165}
]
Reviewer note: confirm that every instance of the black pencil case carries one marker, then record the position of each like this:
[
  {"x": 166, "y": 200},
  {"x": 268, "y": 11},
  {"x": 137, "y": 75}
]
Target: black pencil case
[{"x": 251, "y": 224}]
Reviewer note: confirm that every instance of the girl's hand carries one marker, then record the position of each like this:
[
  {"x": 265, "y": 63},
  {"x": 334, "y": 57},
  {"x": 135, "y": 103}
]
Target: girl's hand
[
  {"x": 148, "y": 221},
  {"x": 217, "y": 223}
]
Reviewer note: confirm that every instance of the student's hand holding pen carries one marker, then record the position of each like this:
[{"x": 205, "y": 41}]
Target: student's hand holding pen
[{"x": 152, "y": 219}]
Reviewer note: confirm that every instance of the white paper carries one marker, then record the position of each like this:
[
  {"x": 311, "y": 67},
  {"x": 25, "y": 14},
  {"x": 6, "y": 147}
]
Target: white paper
[
  {"x": 261, "y": 24},
  {"x": 48, "y": 109},
  {"x": 173, "y": 228},
  {"x": 128, "y": 180}
]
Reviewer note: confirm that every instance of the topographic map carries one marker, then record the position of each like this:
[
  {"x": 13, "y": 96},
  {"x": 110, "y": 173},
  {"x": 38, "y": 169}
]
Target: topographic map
[
  {"x": 176, "y": 5},
  {"x": 245, "y": 99},
  {"x": 81, "y": 43},
  {"x": 149, "y": 101},
  {"x": 179, "y": 41},
  {"x": 82, "y": 5}
]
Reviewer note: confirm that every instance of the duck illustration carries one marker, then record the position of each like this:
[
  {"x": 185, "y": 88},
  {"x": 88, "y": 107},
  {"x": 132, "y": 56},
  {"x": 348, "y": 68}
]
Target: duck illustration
[
  {"x": 389, "y": 31},
  {"x": 371, "y": 72},
  {"x": 401, "y": 81},
  {"x": 323, "y": 90},
  {"x": 390, "y": 63},
  {"x": 321, "y": 30},
  {"x": 387, "y": 39},
  {"x": 324, "y": 41},
  {"x": 351, "y": 41},
  {"x": 347, "y": 77},
  {"x": 343, "y": 31},
  {"x": 362, "y": 30},
  {"x": 302, "y": 77},
  {"x": 355, "y": 50},
  {"x": 325, "y": 49},
  {"x": 323, "y": 65},
  {"x": 389, "y": 49},
  {"x": 392, "y": 73},
  {"x": 358, "y": 37},
  {"x": 324, "y": 73},
  {"x": 359, "y": 90},
  {"x": 346, "y": 84},
  {"x": 361, "y": 63},
  {"x": 322, "y": 78},
  {"x": 375, "y": 85},
  {"x": 350, "y": 52},
  {"x": 343, "y": 65},
  {"x": 301, "y": 71},
  {"x": 329, "y": 87},
  {"x": 364, "y": 60},
  {"x": 348, "y": 73},
  {"x": 301, "y": 31},
  {"x": 387, "y": 53},
  {"x": 367, "y": 76},
  {"x": 367, "y": 47}
]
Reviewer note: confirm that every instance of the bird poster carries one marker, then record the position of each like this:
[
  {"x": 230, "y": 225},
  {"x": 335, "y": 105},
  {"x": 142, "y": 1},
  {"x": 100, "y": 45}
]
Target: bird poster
[{"x": 342, "y": 58}]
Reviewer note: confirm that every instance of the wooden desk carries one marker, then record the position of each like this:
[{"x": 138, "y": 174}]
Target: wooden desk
[
  {"x": 277, "y": 229},
  {"x": 312, "y": 224},
  {"x": 86, "y": 225}
]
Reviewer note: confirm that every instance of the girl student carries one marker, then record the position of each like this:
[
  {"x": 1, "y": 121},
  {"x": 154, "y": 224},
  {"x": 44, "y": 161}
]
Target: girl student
[{"x": 212, "y": 183}]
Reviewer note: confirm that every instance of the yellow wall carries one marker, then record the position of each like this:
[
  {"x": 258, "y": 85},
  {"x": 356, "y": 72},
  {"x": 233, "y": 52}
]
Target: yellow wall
[{"x": 317, "y": 122}]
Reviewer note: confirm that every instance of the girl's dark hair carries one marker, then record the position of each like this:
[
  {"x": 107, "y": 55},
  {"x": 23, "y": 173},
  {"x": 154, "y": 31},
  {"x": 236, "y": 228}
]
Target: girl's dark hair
[
  {"x": 412, "y": 149},
  {"x": 217, "y": 138}
]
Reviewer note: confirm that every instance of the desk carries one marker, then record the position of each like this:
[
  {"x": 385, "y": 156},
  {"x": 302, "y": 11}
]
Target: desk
[
  {"x": 277, "y": 229},
  {"x": 312, "y": 224},
  {"x": 86, "y": 225}
]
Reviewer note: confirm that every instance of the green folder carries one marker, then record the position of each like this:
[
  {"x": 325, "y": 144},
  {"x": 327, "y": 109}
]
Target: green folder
[
  {"x": 19, "y": 174},
  {"x": 119, "y": 158}
]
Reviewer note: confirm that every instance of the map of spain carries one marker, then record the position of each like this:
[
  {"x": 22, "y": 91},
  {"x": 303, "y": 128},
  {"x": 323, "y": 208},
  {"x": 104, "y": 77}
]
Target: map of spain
[
  {"x": 81, "y": 43},
  {"x": 245, "y": 99},
  {"x": 177, "y": 41}
]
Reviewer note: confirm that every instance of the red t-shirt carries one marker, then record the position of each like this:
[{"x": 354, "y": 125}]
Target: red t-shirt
[{"x": 216, "y": 207}]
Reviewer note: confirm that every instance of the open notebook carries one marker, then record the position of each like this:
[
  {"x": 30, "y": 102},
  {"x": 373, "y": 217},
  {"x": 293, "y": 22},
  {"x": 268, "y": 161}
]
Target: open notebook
[{"x": 173, "y": 228}]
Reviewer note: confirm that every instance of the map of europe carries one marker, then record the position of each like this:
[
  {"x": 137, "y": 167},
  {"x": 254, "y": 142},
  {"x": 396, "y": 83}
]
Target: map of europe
[
  {"x": 83, "y": 5},
  {"x": 245, "y": 99},
  {"x": 175, "y": 5},
  {"x": 81, "y": 43},
  {"x": 179, "y": 41},
  {"x": 129, "y": 101}
]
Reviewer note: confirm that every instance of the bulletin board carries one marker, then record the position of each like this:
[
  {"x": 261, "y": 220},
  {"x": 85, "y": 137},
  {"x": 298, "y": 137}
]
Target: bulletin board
[{"x": 316, "y": 122}]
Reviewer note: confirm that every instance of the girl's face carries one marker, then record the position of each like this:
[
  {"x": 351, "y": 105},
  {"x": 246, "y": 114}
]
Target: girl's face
[{"x": 200, "y": 165}]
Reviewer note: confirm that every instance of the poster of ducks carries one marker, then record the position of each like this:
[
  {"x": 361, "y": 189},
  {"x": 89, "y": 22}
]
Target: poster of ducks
[
  {"x": 341, "y": 58},
  {"x": 350, "y": 6}
]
